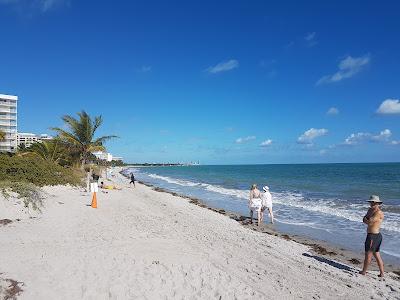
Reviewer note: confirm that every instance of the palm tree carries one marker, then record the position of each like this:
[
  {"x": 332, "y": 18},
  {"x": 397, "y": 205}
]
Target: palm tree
[
  {"x": 52, "y": 150},
  {"x": 80, "y": 136}
]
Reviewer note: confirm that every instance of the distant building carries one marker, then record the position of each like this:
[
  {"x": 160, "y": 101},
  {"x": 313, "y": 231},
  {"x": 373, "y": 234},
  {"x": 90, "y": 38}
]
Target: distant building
[
  {"x": 8, "y": 122},
  {"x": 27, "y": 139},
  {"x": 106, "y": 156},
  {"x": 103, "y": 155}
]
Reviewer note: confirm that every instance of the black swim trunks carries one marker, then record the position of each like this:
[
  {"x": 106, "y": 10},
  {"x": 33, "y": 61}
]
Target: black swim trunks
[{"x": 373, "y": 242}]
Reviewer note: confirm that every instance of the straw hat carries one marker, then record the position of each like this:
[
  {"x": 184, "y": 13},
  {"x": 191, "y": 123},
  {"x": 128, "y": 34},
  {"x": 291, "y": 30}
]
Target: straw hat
[
  {"x": 266, "y": 188},
  {"x": 375, "y": 198}
]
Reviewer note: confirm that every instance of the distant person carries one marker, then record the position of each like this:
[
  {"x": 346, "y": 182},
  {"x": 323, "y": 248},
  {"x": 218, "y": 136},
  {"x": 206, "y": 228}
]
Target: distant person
[
  {"x": 95, "y": 177},
  {"x": 373, "y": 219},
  {"x": 266, "y": 202},
  {"x": 255, "y": 203},
  {"x": 132, "y": 180},
  {"x": 109, "y": 187}
]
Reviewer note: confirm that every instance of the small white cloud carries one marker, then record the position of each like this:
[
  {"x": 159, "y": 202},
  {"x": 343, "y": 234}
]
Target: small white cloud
[
  {"x": 245, "y": 139},
  {"x": 311, "y": 134},
  {"x": 266, "y": 143},
  {"x": 310, "y": 39},
  {"x": 332, "y": 111},
  {"x": 356, "y": 138},
  {"x": 348, "y": 67},
  {"x": 223, "y": 66},
  {"x": 42, "y": 5},
  {"x": 383, "y": 136},
  {"x": 310, "y": 36},
  {"x": 145, "y": 69},
  {"x": 360, "y": 137},
  {"x": 322, "y": 151},
  {"x": 389, "y": 107},
  {"x": 395, "y": 142}
]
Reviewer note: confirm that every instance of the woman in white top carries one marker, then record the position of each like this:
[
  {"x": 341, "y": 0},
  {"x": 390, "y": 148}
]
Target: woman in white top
[
  {"x": 266, "y": 203},
  {"x": 255, "y": 203}
]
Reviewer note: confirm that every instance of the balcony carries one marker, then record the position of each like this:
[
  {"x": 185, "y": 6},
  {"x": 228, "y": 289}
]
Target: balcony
[
  {"x": 8, "y": 117},
  {"x": 7, "y": 104}
]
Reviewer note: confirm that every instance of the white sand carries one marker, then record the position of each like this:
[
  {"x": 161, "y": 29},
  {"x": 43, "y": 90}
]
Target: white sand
[{"x": 142, "y": 244}]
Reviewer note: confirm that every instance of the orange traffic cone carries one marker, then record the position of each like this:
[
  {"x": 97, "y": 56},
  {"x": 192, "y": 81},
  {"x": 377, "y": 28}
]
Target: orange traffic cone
[{"x": 94, "y": 200}]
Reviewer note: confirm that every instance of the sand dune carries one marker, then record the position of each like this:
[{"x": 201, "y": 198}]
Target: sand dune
[{"x": 144, "y": 244}]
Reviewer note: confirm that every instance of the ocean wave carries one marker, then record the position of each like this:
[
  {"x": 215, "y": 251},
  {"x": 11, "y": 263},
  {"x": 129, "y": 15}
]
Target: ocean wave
[
  {"x": 352, "y": 212},
  {"x": 174, "y": 181}
]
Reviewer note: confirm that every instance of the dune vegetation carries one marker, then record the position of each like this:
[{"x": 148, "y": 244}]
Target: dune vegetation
[{"x": 58, "y": 161}]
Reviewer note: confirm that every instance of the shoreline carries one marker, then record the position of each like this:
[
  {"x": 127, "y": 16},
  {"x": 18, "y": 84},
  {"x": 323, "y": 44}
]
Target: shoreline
[
  {"x": 143, "y": 243},
  {"x": 319, "y": 247}
]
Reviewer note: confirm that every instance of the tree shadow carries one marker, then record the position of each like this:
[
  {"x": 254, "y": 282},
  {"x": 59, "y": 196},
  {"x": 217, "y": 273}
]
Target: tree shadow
[{"x": 330, "y": 262}]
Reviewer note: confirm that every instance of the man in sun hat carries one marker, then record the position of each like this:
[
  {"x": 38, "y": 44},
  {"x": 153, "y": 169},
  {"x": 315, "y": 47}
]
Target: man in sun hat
[
  {"x": 266, "y": 201},
  {"x": 373, "y": 219}
]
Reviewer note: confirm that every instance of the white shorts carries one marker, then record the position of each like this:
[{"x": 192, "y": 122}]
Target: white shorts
[
  {"x": 267, "y": 204},
  {"x": 255, "y": 204}
]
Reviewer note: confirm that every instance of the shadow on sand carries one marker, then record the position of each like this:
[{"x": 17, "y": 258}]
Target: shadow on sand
[{"x": 330, "y": 262}]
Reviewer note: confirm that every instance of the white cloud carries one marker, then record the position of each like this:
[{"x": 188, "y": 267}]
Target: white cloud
[
  {"x": 266, "y": 143},
  {"x": 49, "y": 4},
  {"x": 332, "y": 111},
  {"x": 145, "y": 69},
  {"x": 389, "y": 107},
  {"x": 224, "y": 66},
  {"x": 310, "y": 39},
  {"x": 348, "y": 67},
  {"x": 311, "y": 134},
  {"x": 356, "y": 138},
  {"x": 395, "y": 142},
  {"x": 322, "y": 151},
  {"x": 245, "y": 139},
  {"x": 383, "y": 136},
  {"x": 42, "y": 5},
  {"x": 360, "y": 137},
  {"x": 310, "y": 36}
]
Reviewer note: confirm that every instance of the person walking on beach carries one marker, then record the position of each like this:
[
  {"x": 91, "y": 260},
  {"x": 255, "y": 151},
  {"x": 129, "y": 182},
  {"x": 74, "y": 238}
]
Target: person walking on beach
[
  {"x": 255, "y": 203},
  {"x": 373, "y": 219},
  {"x": 266, "y": 202},
  {"x": 132, "y": 180}
]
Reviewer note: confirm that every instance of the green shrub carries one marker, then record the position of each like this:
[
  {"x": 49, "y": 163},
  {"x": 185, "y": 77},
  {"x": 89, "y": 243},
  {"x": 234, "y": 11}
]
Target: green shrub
[
  {"x": 30, "y": 193},
  {"x": 37, "y": 171}
]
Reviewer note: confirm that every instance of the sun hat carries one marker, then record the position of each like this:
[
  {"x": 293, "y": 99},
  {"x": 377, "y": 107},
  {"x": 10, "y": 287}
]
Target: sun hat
[
  {"x": 374, "y": 198},
  {"x": 266, "y": 188}
]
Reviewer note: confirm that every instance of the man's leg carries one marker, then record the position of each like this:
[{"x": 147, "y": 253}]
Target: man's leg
[
  {"x": 271, "y": 215},
  {"x": 251, "y": 216},
  {"x": 262, "y": 214},
  {"x": 379, "y": 260},
  {"x": 259, "y": 217},
  {"x": 367, "y": 261}
]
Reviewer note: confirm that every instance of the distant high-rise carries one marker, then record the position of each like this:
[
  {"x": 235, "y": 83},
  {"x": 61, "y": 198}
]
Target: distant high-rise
[{"x": 8, "y": 122}]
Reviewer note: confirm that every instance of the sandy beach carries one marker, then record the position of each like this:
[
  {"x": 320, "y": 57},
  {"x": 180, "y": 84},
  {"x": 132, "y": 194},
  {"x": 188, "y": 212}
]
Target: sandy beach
[{"x": 145, "y": 244}]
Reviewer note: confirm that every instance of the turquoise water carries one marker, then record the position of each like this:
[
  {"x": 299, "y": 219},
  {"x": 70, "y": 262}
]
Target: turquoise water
[{"x": 323, "y": 201}]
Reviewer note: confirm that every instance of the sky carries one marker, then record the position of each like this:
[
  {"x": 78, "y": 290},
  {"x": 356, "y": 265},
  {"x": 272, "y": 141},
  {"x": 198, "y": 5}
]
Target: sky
[{"x": 220, "y": 82}]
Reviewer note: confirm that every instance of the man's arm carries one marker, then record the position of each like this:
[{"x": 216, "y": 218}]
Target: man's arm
[{"x": 375, "y": 217}]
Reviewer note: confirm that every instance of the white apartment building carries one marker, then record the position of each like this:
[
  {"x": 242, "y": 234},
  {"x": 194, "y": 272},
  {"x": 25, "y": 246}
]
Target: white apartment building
[
  {"x": 27, "y": 139},
  {"x": 8, "y": 122},
  {"x": 103, "y": 155},
  {"x": 106, "y": 156}
]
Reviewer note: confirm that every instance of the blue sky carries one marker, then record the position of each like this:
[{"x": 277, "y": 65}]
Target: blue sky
[{"x": 217, "y": 81}]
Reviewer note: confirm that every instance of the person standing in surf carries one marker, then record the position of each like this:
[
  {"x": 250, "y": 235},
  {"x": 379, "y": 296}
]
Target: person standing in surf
[
  {"x": 255, "y": 203},
  {"x": 373, "y": 219},
  {"x": 266, "y": 201},
  {"x": 132, "y": 180}
]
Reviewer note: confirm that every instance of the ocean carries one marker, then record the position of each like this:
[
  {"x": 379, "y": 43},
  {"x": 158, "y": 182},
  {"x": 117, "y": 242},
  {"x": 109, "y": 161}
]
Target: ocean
[{"x": 320, "y": 201}]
